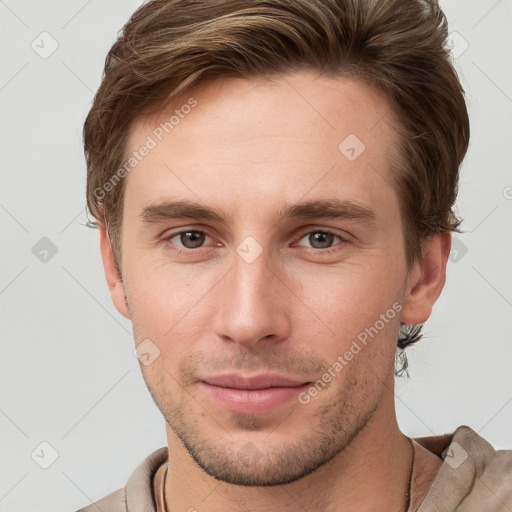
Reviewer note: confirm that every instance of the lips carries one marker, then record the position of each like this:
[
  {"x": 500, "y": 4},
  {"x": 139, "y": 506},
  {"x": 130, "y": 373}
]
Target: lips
[
  {"x": 263, "y": 381},
  {"x": 251, "y": 395}
]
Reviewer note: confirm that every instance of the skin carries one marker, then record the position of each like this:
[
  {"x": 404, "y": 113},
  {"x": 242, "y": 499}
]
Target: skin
[{"x": 248, "y": 150}]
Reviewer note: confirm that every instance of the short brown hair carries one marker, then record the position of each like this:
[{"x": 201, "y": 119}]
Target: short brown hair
[{"x": 399, "y": 46}]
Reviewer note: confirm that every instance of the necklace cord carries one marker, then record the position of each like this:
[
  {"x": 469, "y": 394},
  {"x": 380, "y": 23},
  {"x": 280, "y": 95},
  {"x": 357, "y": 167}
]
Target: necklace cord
[
  {"x": 407, "y": 495},
  {"x": 409, "y": 483}
]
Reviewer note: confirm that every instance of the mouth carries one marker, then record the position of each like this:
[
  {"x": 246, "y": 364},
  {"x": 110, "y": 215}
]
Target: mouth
[{"x": 252, "y": 395}]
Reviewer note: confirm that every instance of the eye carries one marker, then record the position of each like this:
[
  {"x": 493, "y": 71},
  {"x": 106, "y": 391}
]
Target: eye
[
  {"x": 189, "y": 239},
  {"x": 320, "y": 239}
]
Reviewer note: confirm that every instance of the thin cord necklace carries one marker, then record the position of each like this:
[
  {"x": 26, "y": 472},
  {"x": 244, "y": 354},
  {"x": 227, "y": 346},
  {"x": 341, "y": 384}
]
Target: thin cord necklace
[
  {"x": 407, "y": 494},
  {"x": 409, "y": 484}
]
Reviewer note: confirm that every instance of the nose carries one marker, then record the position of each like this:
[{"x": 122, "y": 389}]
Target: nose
[{"x": 252, "y": 304}]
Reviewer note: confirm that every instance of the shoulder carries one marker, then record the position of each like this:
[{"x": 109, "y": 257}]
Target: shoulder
[
  {"x": 473, "y": 476},
  {"x": 138, "y": 492},
  {"x": 114, "y": 502}
]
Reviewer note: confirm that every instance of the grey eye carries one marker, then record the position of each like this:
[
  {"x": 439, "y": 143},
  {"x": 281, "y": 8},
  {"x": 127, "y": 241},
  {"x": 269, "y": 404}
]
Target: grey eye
[
  {"x": 190, "y": 239},
  {"x": 319, "y": 239},
  {"x": 323, "y": 240}
]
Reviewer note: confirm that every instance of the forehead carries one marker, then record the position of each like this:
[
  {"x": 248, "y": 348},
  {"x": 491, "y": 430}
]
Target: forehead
[{"x": 242, "y": 140}]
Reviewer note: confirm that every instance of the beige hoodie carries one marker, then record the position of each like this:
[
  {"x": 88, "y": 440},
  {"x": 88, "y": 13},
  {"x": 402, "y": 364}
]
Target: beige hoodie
[{"x": 473, "y": 478}]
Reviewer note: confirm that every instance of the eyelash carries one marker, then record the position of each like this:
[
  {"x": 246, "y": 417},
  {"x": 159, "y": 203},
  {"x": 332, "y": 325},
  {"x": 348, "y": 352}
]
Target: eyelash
[{"x": 328, "y": 250}]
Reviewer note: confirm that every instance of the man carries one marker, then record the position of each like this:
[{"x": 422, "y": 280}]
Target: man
[{"x": 273, "y": 183}]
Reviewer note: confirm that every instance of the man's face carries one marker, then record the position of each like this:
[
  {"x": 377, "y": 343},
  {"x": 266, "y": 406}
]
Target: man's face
[{"x": 267, "y": 293}]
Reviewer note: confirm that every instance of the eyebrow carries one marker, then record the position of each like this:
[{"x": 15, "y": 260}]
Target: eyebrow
[{"x": 325, "y": 208}]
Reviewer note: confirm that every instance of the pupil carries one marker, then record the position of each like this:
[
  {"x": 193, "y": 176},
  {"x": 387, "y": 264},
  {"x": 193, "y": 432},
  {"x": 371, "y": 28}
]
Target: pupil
[
  {"x": 191, "y": 239},
  {"x": 321, "y": 238}
]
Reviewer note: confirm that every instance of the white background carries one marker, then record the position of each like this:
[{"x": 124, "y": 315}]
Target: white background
[{"x": 68, "y": 376}]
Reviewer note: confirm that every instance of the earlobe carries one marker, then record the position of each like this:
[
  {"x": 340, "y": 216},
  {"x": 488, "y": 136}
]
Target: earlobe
[
  {"x": 427, "y": 278},
  {"x": 114, "y": 282}
]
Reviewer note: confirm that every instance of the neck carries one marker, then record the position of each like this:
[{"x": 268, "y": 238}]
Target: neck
[{"x": 371, "y": 473}]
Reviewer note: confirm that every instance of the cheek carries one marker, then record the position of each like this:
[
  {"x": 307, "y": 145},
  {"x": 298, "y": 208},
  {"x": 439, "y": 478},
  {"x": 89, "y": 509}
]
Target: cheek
[
  {"x": 169, "y": 305},
  {"x": 349, "y": 299},
  {"x": 361, "y": 306}
]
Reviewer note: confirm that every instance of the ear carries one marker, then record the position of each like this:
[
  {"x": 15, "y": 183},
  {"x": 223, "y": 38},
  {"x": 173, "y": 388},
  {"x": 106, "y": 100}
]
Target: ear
[
  {"x": 426, "y": 280},
  {"x": 115, "y": 284}
]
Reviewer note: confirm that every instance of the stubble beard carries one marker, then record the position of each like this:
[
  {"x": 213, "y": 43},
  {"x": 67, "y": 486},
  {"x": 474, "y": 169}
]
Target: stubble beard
[
  {"x": 330, "y": 429},
  {"x": 206, "y": 438}
]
